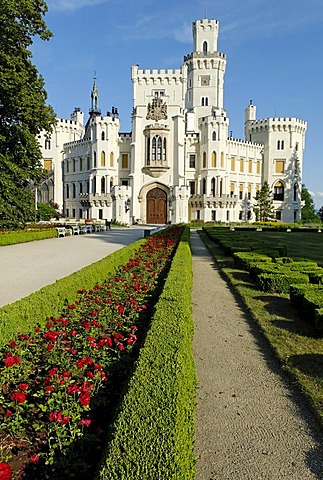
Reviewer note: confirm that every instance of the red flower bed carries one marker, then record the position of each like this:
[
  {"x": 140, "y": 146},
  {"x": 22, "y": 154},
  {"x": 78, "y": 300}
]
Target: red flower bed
[{"x": 54, "y": 380}]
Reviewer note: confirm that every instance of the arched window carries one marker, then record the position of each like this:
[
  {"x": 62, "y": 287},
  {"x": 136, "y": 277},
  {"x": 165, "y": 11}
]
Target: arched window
[
  {"x": 204, "y": 47},
  {"x": 148, "y": 151},
  {"x": 213, "y": 159},
  {"x": 102, "y": 159},
  {"x": 202, "y": 101},
  {"x": 154, "y": 148},
  {"x": 102, "y": 184},
  {"x": 67, "y": 191},
  {"x": 221, "y": 187},
  {"x": 295, "y": 192},
  {"x": 213, "y": 187},
  {"x": 94, "y": 159},
  {"x": 47, "y": 144},
  {"x": 204, "y": 186},
  {"x": 279, "y": 191},
  {"x": 204, "y": 159},
  {"x": 159, "y": 148},
  {"x": 111, "y": 159},
  {"x": 278, "y": 144},
  {"x": 206, "y": 101},
  {"x": 214, "y": 135},
  {"x": 102, "y": 136},
  {"x": 164, "y": 150}
]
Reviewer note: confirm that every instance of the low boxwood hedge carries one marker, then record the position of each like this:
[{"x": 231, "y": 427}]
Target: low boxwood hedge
[
  {"x": 243, "y": 260},
  {"x": 280, "y": 282},
  {"x": 153, "y": 432},
  {"x": 312, "y": 300}
]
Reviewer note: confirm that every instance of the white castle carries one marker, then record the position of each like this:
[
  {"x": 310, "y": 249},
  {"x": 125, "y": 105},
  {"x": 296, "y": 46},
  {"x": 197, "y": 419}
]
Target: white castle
[{"x": 178, "y": 164}]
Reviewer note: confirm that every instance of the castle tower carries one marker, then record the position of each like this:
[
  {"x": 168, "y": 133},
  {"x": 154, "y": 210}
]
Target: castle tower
[
  {"x": 205, "y": 71},
  {"x": 95, "y": 98}
]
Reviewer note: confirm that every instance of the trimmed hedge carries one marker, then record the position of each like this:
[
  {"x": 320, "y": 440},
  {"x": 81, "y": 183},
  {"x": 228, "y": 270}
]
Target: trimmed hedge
[
  {"x": 312, "y": 300},
  {"x": 22, "y": 316},
  {"x": 280, "y": 282},
  {"x": 12, "y": 238},
  {"x": 153, "y": 433},
  {"x": 244, "y": 260}
]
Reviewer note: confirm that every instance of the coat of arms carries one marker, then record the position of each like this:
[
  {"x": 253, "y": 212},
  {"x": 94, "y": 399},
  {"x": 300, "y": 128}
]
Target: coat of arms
[{"x": 157, "y": 110}]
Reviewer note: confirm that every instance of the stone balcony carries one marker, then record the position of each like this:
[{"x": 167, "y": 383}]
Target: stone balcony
[
  {"x": 95, "y": 199},
  {"x": 209, "y": 201}
]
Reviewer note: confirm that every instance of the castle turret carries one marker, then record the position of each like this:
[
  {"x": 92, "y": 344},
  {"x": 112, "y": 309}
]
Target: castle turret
[
  {"x": 95, "y": 99},
  {"x": 250, "y": 116}
]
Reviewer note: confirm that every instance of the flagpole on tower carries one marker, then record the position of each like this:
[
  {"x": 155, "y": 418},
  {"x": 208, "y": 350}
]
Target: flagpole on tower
[{"x": 205, "y": 9}]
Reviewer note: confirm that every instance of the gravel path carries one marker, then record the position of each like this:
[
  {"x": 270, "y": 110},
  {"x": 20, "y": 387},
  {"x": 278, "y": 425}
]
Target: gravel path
[{"x": 250, "y": 422}]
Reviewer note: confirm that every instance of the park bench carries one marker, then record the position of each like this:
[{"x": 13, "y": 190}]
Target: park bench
[{"x": 61, "y": 231}]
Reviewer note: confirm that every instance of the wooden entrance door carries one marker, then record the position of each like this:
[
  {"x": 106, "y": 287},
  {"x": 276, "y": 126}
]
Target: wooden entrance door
[{"x": 156, "y": 206}]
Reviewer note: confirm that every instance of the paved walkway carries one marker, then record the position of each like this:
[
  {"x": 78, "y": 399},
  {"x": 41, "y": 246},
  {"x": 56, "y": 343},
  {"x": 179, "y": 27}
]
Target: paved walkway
[
  {"x": 251, "y": 423},
  {"x": 27, "y": 267}
]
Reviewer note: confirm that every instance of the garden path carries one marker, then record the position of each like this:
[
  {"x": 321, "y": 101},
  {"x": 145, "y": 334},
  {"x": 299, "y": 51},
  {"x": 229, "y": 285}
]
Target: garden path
[
  {"x": 251, "y": 422},
  {"x": 27, "y": 267}
]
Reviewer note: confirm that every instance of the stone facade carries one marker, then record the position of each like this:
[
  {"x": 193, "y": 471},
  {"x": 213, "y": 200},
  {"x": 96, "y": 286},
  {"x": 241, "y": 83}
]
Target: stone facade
[{"x": 178, "y": 163}]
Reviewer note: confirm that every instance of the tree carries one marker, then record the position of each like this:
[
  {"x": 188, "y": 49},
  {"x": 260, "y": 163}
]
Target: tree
[
  {"x": 320, "y": 213},
  {"x": 308, "y": 214},
  {"x": 264, "y": 206},
  {"x": 23, "y": 109}
]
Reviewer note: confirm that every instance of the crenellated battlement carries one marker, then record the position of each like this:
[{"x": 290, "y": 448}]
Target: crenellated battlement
[
  {"x": 278, "y": 124},
  {"x": 239, "y": 141},
  {"x": 77, "y": 144},
  {"x": 156, "y": 75}
]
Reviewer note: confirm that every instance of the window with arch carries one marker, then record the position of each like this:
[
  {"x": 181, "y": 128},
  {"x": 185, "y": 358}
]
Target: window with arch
[
  {"x": 81, "y": 187},
  {"x": 103, "y": 159},
  {"x": 47, "y": 144},
  {"x": 74, "y": 190},
  {"x": 280, "y": 145},
  {"x": 204, "y": 47},
  {"x": 214, "y": 135},
  {"x": 111, "y": 159},
  {"x": 213, "y": 163},
  {"x": 74, "y": 165},
  {"x": 204, "y": 159},
  {"x": 204, "y": 186},
  {"x": 222, "y": 160},
  {"x": 67, "y": 191},
  {"x": 295, "y": 192},
  {"x": 102, "y": 184},
  {"x": 94, "y": 159},
  {"x": 204, "y": 101},
  {"x": 279, "y": 191},
  {"x": 213, "y": 184},
  {"x": 102, "y": 136},
  {"x": 221, "y": 187}
]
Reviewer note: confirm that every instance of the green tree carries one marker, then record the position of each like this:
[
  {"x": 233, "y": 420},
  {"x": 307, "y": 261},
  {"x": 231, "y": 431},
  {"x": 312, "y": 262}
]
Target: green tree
[
  {"x": 264, "y": 206},
  {"x": 308, "y": 214},
  {"x": 320, "y": 213},
  {"x": 23, "y": 109}
]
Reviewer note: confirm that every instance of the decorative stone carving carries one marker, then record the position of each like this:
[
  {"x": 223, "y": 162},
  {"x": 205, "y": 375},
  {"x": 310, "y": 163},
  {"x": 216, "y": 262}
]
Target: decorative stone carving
[{"x": 157, "y": 110}]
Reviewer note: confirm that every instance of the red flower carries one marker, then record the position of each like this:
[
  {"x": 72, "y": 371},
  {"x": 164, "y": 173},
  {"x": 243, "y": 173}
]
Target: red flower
[
  {"x": 71, "y": 307},
  {"x": 85, "y": 422},
  {"x": 120, "y": 309},
  {"x": 49, "y": 389},
  {"x": 13, "y": 344},
  {"x": 35, "y": 458},
  {"x": 85, "y": 399},
  {"x": 5, "y": 471},
  {"x": 18, "y": 397},
  {"x": 23, "y": 386},
  {"x": 11, "y": 360},
  {"x": 8, "y": 413}
]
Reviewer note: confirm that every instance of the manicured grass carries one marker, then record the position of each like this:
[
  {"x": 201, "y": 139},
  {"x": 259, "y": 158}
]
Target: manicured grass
[
  {"x": 12, "y": 238},
  {"x": 299, "y": 244},
  {"x": 295, "y": 342}
]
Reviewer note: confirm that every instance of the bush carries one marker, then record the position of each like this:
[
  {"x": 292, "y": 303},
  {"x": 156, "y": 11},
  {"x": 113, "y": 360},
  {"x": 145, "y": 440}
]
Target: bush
[
  {"x": 244, "y": 260},
  {"x": 280, "y": 282},
  {"x": 312, "y": 300}
]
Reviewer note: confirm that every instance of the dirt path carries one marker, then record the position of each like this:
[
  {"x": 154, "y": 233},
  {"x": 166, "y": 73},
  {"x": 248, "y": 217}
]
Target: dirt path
[{"x": 250, "y": 422}]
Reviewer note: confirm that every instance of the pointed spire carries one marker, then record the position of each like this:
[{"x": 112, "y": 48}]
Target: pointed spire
[{"x": 95, "y": 98}]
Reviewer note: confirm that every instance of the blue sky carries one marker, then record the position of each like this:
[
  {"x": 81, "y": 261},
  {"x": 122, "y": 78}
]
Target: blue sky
[{"x": 273, "y": 48}]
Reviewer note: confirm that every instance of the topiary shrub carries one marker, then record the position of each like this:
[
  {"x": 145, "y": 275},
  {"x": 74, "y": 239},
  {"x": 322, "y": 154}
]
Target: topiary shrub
[{"x": 280, "y": 282}]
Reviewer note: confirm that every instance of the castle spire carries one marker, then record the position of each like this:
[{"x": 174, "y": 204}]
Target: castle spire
[{"x": 95, "y": 98}]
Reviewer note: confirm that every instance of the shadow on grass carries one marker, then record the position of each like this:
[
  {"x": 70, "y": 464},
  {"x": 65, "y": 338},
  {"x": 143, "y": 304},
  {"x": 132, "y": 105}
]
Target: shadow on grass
[{"x": 309, "y": 364}]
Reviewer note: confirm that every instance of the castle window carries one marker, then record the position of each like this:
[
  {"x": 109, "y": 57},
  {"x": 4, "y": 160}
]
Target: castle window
[
  {"x": 296, "y": 146},
  {"x": 213, "y": 159},
  {"x": 81, "y": 187},
  {"x": 94, "y": 159},
  {"x": 111, "y": 159},
  {"x": 231, "y": 189},
  {"x": 232, "y": 164},
  {"x": 222, "y": 160},
  {"x": 102, "y": 159},
  {"x": 295, "y": 192},
  {"x": 214, "y": 135},
  {"x": 164, "y": 149},
  {"x": 67, "y": 166},
  {"x": 249, "y": 192},
  {"x": 240, "y": 191},
  {"x": 204, "y": 186},
  {"x": 205, "y": 47},
  {"x": 279, "y": 166},
  {"x": 74, "y": 190},
  {"x": 47, "y": 144},
  {"x": 81, "y": 164},
  {"x": 241, "y": 165},
  {"x": 192, "y": 161},
  {"x": 74, "y": 165},
  {"x": 278, "y": 215},
  {"x": 278, "y": 191},
  {"x": 48, "y": 164},
  {"x": 258, "y": 167},
  {"x": 204, "y": 159},
  {"x": 67, "y": 191},
  {"x": 102, "y": 185},
  {"x": 102, "y": 136},
  {"x": 124, "y": 160},
  {"x": 192, "y": 187},
  {"x": 213, "y": 187},
  {"x": 280, "y": 145},
  {"x": 159, "y": 148},
  {"x": 250, "y": 166}
]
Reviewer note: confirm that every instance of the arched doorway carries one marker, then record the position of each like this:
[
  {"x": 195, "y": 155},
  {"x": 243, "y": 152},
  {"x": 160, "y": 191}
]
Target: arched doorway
[{"x": 156, "y": 206}]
